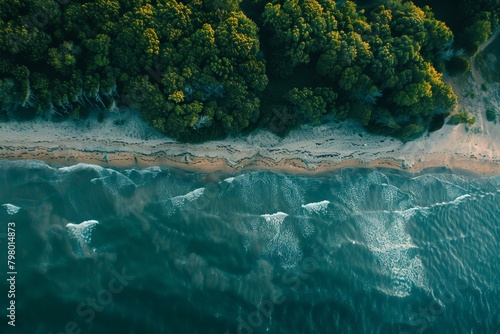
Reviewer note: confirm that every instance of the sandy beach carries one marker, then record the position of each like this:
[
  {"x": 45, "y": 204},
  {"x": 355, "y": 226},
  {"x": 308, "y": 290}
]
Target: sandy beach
[{"x": 307, "y": 150}]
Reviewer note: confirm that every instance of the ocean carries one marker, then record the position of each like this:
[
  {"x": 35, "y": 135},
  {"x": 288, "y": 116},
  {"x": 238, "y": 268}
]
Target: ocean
[{"x": 161, "y": 250}]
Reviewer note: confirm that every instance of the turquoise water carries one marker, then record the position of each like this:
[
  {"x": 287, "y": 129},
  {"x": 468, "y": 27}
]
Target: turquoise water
[{"x": 160, "y": 250}]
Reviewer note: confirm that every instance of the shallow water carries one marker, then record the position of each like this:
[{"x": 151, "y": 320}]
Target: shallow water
[{"x": 164, "y": 251}]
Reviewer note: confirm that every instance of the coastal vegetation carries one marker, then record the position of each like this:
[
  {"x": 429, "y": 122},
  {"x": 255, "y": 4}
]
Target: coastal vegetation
[
  {"x": 202, "y": 69},
  {"x": 491, "y": 115},
  {"x": 462, "y": 117},
  {"x": 472, "y": 21}
]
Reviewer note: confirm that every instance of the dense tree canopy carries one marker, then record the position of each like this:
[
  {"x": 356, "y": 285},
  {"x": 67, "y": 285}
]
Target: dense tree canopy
[
  {"x": 380, "y": 64},
  {"x": 473, "y": 21},
  {"x": 199, "y": 69},
  {"x": 185, "y": 67}
]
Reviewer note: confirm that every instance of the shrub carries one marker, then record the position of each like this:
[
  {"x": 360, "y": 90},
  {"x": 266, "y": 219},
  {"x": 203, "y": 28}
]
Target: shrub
[
  {"x": 458, "y": 65},
  {"x": 491, "y": 115},
  {"x": 462, "y": 117},
  {"x": 476, "y": 131}
]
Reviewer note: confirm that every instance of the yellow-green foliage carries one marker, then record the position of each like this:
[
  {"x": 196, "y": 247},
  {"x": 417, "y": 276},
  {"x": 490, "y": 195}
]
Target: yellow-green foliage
[
  {"x": 462, "y": 117},
  {"x": 196, "y": 69}
]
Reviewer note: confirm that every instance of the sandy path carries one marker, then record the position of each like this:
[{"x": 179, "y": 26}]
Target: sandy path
[{"x": 488, "y": 42}]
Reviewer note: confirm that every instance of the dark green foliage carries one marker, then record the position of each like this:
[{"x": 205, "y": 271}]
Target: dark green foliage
[
  {"x": 196, "y": 69},
  {"x": 458, "y": 65},
  {"x": 189, "y": 68},
  {"x": 491, "y": 115},
  {"x": 472, "y": 21},
  {"x": 436, "y": 123},
  {"x": 381, "y": 59},
  {"x": 462, "y": 117}
]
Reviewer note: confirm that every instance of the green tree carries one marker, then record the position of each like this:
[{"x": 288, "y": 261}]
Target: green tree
[
  {"x": 458, "y": 65},
  {"x": 308, "y": 104},
  {"x": 463, "y": 117}
]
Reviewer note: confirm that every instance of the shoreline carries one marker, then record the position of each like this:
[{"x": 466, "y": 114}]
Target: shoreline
[
  {"x": 62, "y": 156},
  {"x": 124, "y": 140}
]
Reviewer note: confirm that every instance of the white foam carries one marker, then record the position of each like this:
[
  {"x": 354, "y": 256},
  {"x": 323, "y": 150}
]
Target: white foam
[
  {"x": 384, "y": 229},
  {"x": 425, "y": 210},
  {"x": 306, "y": 228},
  {"x": 285, "y": 247},
  {"x": 156, "y": 169},
  {"x": 456, "y": 201},
  {"x": 317, "y": 207},
  {"x": 11, "y": 209},
  {"x": 280, "y": 241},
  {"x": 113, "y": 182},
  {"x": 190, "y": 196},
  {"x": 377, "y": 178},
  {"x": 179, "y": 201},
  {"x": 448, "y": 191},
  {"x": 149, "y": 170},
  {"x": 195, "y": 194},
  {"x": 387, "y": 239},
  {"x": 81, "y": 166},
  {"x": 391, "y": 195},
  {"x": 276, "y": 218},
  {"x": 28, "y": 164},
  {"x": 247, "y": 184},
  {"x": 453, "y": 190},
  {"x": 291, "y": 192},
  {"x": 82, "y": 233},
  {"x": 272, "y": 227},
  {"x": 229, "y": 180},
  {"x": 117, "y": 181}
]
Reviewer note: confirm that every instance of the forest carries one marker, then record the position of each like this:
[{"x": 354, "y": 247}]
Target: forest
[{"x": 198, "y": 70}]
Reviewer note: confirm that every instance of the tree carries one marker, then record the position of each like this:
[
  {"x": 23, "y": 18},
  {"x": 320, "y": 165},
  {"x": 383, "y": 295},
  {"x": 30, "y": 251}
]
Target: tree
[
  {"x": 199, "y": 69},
  {"x": 297, "y": 29},
  {"x": 458, "y": 65},
  {"x": 99, "y": 48},
  {"x": 463, "y": 117},
  {"x": 476, "y": 34},
  {"x": 308, "y": 104}
]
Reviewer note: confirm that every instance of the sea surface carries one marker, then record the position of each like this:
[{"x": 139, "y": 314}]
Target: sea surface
[{"x": 160, "y": 250}]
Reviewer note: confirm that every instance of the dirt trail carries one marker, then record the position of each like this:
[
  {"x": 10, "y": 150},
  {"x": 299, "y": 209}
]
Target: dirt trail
[
  {"x": 478, "y": 78},
  {"x": 479, "y": 81},
  {"x": 488, "y": 42},
  {"x": 477, "y": 98}
]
